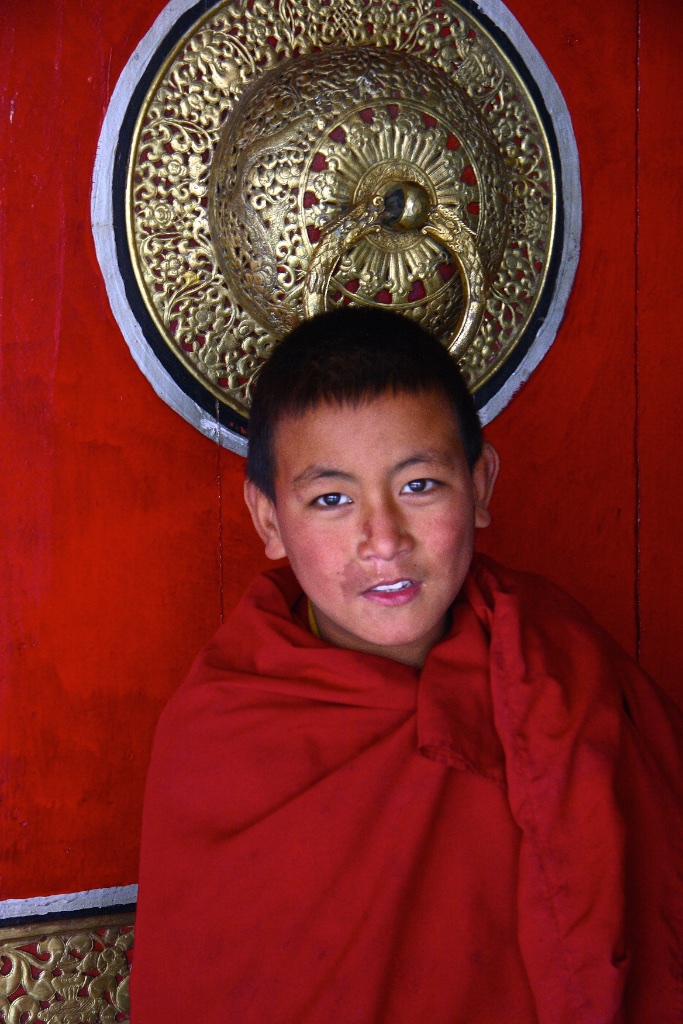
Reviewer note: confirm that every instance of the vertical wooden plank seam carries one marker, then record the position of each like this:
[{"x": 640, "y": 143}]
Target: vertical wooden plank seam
[
  {"x": 636, "y": 344},
  {"x": 219, "y": 481}
]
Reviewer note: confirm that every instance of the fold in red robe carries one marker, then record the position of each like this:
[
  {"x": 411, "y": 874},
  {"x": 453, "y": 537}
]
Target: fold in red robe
[{"x": 331, "y": 837}]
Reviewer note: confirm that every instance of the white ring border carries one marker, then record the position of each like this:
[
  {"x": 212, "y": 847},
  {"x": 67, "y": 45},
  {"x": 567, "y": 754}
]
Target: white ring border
[{"x": 102, "y": 215}]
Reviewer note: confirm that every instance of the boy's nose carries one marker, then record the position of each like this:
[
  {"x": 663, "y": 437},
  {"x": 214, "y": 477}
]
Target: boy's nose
[{"x": 385, "y": 533}]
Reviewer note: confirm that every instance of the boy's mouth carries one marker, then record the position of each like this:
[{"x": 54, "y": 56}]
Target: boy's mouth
[
  {"x": 391, "y": 588},
  {"x": 394, "y": 592}
]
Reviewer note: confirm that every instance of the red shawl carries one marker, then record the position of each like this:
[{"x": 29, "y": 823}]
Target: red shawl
[{"x": 331, "y": 837}]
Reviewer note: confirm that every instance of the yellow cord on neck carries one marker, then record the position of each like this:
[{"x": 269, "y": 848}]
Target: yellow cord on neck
[{"x": 312, "y": 624}]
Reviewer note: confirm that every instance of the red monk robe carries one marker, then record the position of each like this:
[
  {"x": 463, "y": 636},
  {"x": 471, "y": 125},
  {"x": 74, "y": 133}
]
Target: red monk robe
[{"x": 331, "y": 837}]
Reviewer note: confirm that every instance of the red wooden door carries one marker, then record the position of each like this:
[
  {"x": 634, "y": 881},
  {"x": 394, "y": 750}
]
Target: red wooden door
[{"x": 124, "y": 535}]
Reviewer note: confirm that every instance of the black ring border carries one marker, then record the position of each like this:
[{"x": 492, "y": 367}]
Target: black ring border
[{"x": 196, "y": 392}]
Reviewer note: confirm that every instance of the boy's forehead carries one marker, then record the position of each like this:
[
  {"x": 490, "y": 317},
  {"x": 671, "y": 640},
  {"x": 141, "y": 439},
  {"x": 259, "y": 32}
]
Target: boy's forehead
[
  {"x": 434, "y": 404},
  {"x": 432, "y": 399}
]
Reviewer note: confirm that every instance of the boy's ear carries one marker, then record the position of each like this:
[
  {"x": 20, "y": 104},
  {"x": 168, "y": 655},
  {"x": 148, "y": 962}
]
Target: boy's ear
[
  {"x": 484, "y": 475},
  {"x": 264, "y": 518}
]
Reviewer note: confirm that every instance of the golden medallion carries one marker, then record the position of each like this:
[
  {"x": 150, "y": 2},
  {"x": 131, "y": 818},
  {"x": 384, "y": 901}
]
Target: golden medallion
[{"x": 288, "y": 158}]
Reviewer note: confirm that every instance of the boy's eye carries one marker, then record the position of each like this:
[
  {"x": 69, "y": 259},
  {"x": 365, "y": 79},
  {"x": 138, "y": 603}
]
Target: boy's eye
[
  {"x": 418, "y": 486},
  {"x": 332, "y": 500}
]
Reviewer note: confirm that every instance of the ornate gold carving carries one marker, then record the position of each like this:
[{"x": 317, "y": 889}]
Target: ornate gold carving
[
  {"x": 66, "y": 972},
  {"x": 293, "y": 156},
  {"x": 362, "y": 129}
]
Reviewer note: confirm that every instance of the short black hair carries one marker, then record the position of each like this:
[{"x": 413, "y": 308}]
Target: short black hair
[{"x": 348, "y": 356}]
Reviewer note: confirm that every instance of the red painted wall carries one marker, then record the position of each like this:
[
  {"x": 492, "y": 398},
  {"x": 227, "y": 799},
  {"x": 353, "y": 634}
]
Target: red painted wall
[{"x": 124, "y": 536}]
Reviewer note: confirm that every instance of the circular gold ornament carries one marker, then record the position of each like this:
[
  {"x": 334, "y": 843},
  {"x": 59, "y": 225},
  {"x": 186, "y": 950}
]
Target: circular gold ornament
[
  {"x": 277, "y": 158},
  {"x": 359, "y": 175}
]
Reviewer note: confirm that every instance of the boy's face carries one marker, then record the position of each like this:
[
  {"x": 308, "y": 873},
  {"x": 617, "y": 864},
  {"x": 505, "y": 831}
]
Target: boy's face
[{"x": 376, "y": 510}]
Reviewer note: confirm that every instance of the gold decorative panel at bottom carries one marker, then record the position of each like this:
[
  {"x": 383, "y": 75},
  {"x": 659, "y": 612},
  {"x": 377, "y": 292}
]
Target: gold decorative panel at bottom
[{"x": 67, "y": 971}]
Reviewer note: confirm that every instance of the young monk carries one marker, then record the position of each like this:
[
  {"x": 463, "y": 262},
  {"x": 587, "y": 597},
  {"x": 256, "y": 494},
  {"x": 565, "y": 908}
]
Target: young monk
[{"x": 401, "y": 786}]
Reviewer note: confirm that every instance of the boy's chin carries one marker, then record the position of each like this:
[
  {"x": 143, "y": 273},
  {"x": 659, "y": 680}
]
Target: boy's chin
[{"x": 408, "y": 646}]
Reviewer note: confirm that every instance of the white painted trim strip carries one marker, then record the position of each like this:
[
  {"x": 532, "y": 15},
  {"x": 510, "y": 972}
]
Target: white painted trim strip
[{"x": 68, "y": 903}]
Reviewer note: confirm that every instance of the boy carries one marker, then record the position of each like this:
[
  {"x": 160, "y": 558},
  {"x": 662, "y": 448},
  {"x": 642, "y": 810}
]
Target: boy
[{"x": 399, "y": 786}]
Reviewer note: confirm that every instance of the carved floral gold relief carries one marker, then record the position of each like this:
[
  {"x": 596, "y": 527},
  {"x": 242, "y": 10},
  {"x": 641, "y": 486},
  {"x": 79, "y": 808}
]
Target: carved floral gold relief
[
  {"x": 71, "y": 972},
  {"x": 290, "y": 157}
]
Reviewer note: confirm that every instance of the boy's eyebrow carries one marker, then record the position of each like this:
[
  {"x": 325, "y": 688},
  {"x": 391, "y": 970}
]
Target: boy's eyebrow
[
  {"x": 429, "y": 456},
  {"x": 318, "y": 472},
  {"x": 426, "y": 456}
]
